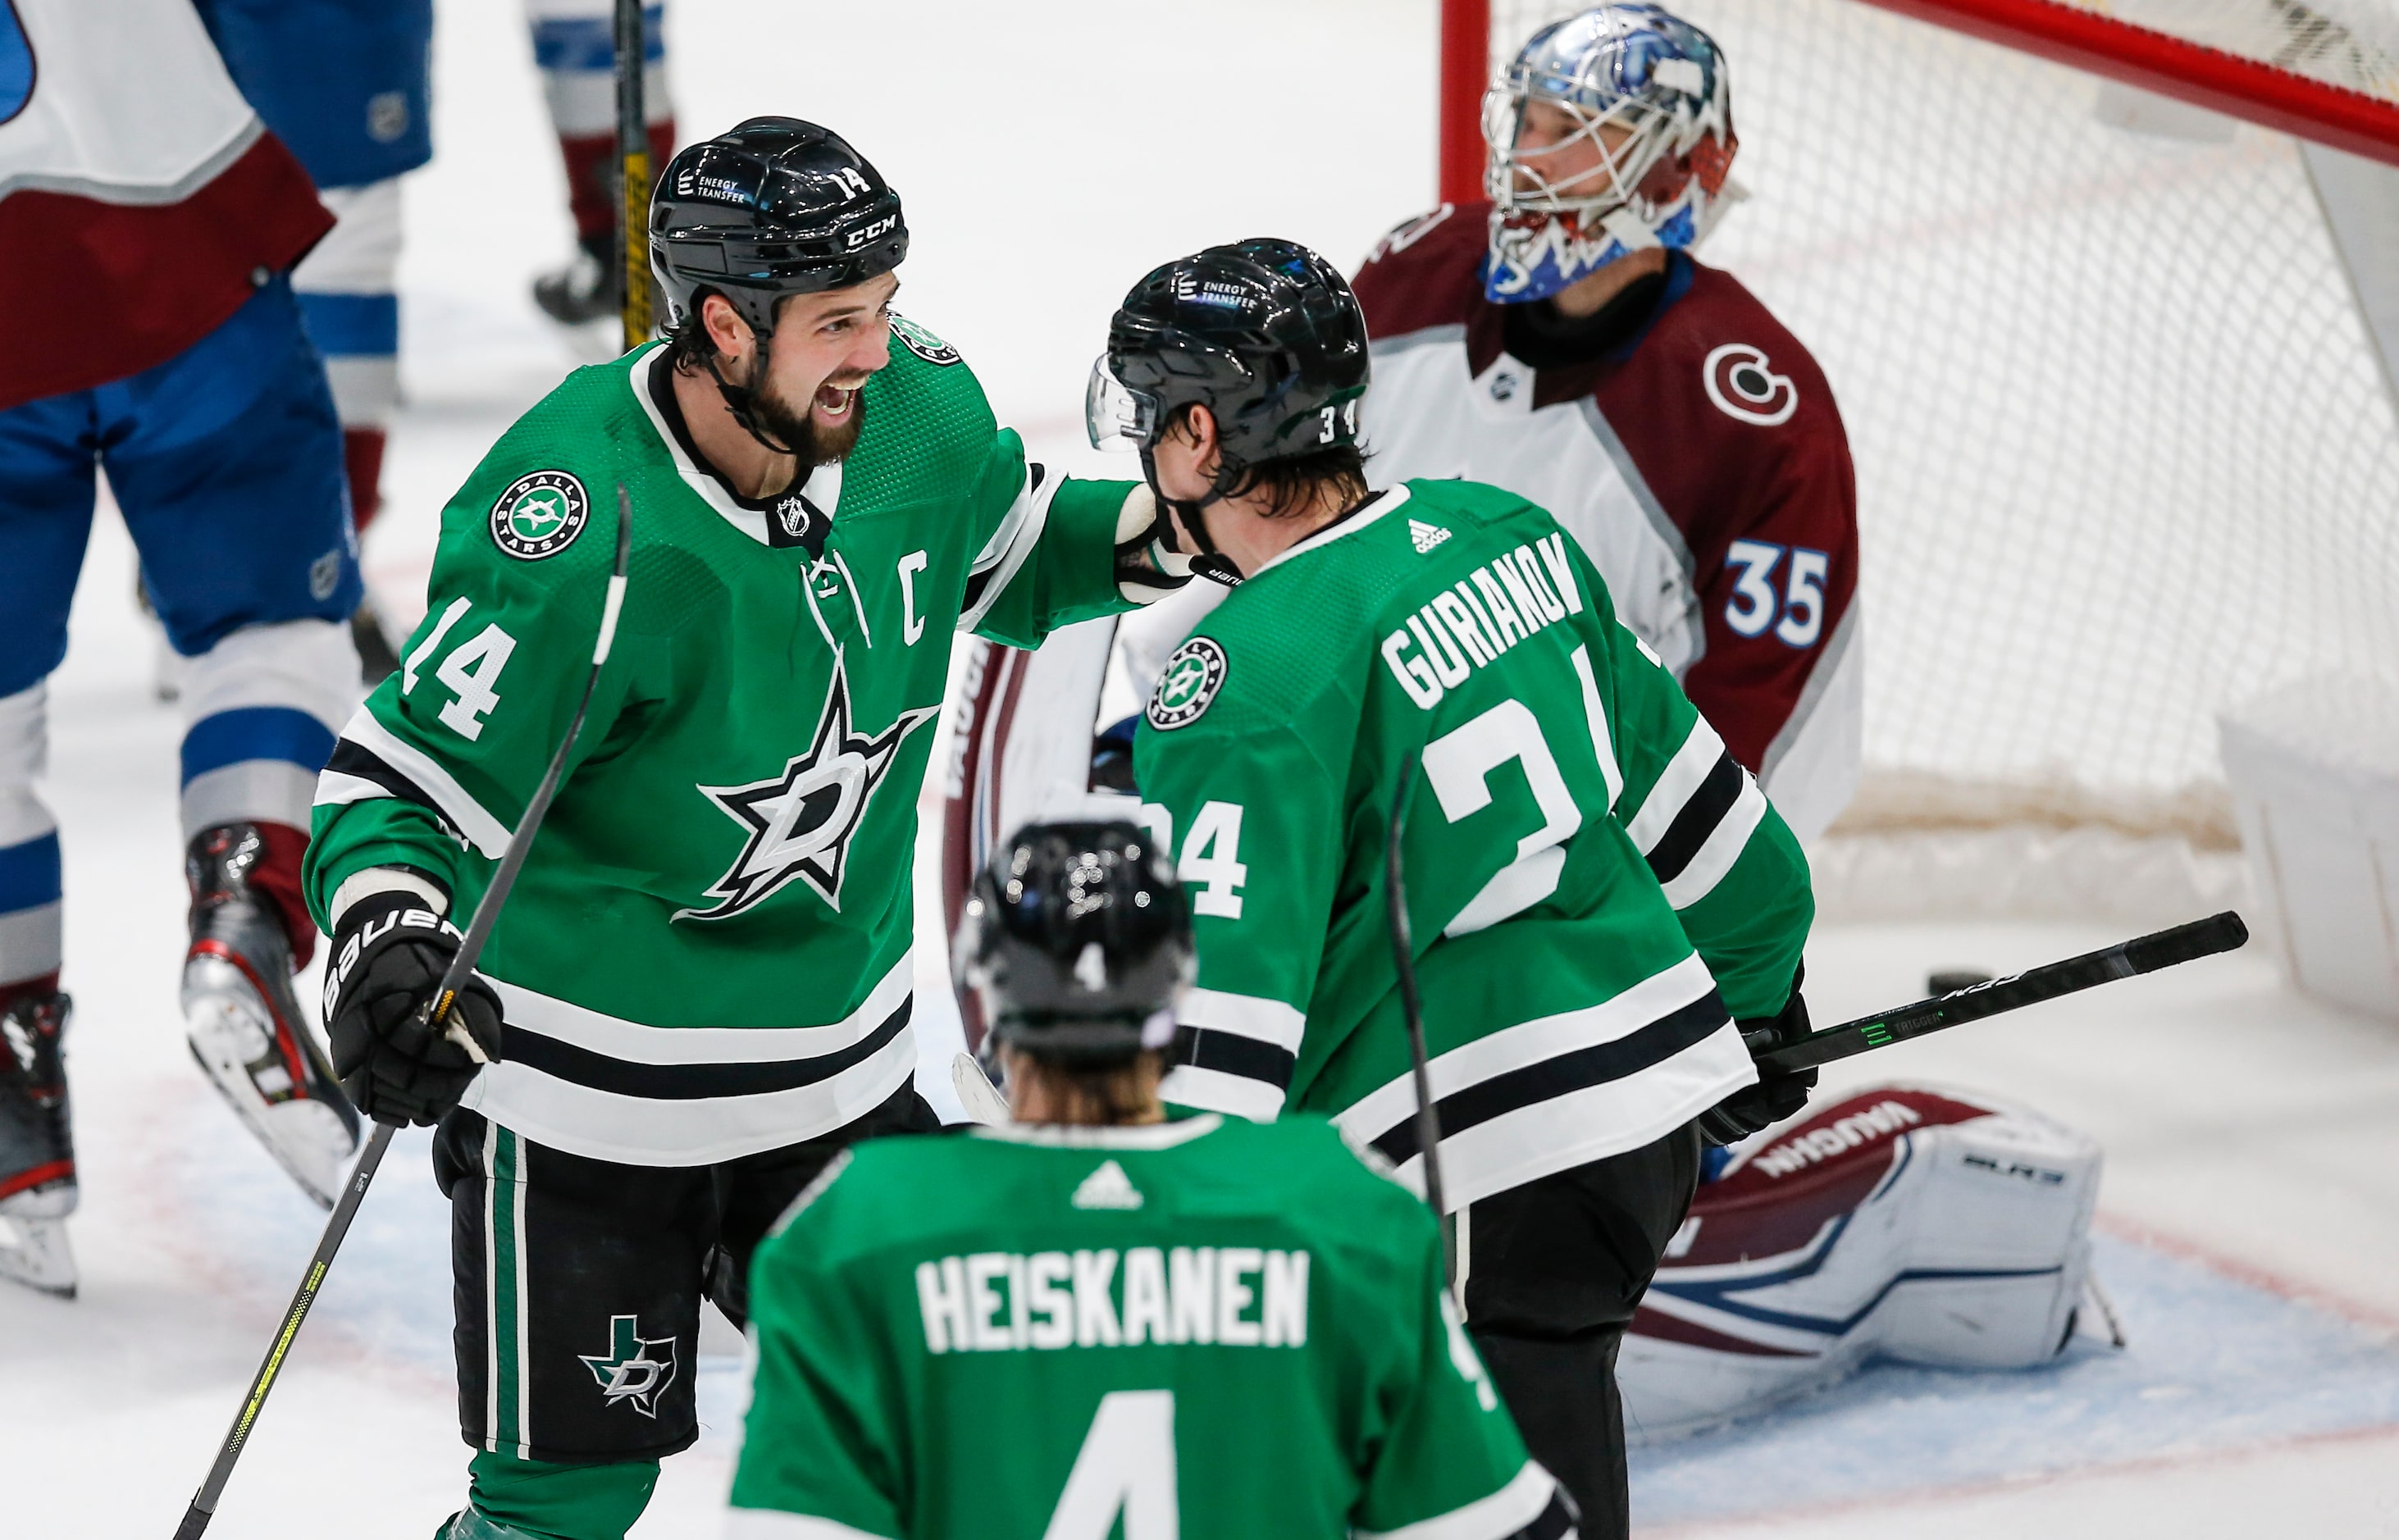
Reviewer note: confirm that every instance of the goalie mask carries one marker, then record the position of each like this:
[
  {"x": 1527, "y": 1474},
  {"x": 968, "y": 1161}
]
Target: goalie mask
[
  {"x": 1078, "y": 939},
  {"x": 1631, "y": 151}
]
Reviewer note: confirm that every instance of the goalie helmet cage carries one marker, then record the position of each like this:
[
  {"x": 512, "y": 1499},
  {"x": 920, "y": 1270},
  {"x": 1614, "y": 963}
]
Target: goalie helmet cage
[{"x": 2100, "y": 324}]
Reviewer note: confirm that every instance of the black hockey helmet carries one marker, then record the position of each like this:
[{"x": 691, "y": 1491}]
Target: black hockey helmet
[
  {"x": 1264, "y": 333},
  {"x": 1078, "y": 939},
  {"x": 775, "y": 207}
]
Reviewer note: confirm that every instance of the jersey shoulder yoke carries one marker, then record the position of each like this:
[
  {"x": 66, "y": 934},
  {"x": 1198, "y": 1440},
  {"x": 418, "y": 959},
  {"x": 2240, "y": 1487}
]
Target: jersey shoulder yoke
[{"x": 1427, "y": 272}]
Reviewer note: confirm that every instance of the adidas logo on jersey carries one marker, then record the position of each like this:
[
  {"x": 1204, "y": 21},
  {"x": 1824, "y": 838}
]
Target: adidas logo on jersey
[
  {"x": 1426, "y": 535},
  {"x": 1108, "y": 1188}
]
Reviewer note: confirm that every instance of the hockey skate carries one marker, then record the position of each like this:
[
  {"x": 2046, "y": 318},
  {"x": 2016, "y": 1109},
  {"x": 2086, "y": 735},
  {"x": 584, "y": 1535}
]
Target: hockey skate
[
  {"x": 586, "y": 290},
  {"x": 244, "y": 1023},
  {"x": 37, "y": 1172}
]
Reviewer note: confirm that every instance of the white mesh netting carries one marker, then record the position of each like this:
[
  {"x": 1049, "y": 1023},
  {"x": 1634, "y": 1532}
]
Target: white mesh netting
[{"x": 2126, "y": 454}]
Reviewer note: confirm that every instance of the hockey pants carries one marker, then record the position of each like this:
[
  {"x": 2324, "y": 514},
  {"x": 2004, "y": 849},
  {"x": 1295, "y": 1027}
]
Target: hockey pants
[
  {"x": 1552, "y": 1272},
  {"x": 225, "y": 464},
  {"x": 577, "y": 1290}
]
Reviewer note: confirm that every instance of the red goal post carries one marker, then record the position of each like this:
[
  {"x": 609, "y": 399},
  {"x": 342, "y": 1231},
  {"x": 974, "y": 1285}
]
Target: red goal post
[{"x": 2253, "y": 89}]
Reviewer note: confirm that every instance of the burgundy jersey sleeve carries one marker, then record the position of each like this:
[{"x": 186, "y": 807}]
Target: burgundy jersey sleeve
[
  {"x": 1426, "y": 272},
  {"x": 1734, "y": 429}
]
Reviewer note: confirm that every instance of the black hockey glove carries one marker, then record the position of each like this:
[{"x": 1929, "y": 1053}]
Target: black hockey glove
[
  {"x": 387, "y": 962},
  {"x": 1776, "y": 1096}
]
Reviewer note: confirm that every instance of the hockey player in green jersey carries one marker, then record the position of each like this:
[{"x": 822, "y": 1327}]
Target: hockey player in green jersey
[
  {"x": 1092, "y": 1321},
  {"x": 704, "y": 970},
  {"x": 1596, "y": 892}
]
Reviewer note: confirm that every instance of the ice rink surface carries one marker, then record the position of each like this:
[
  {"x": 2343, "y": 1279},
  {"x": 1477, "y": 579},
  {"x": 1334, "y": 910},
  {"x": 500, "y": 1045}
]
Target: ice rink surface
[{"x": 2249, "y": 1217}]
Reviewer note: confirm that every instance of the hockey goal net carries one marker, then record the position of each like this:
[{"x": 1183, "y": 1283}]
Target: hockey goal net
[{"x": 2124, "y": 434}]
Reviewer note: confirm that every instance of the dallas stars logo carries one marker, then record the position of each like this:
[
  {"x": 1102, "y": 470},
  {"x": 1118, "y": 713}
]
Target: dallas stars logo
[
  {"x": 801, "y": 822},
  {"x": 635, "y": 1368},
  {"x": 541, "y": 514}
]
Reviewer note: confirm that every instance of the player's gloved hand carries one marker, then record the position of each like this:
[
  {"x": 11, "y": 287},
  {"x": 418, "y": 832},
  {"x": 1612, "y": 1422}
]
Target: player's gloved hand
[
  {"x": 1150, "y": 563},
  {"x": 389, "y": 953},
  {"x": 1776, "y": 1096}
]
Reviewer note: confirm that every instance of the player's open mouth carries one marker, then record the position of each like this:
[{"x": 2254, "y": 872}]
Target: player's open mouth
[{"x": 833, "y": 403}]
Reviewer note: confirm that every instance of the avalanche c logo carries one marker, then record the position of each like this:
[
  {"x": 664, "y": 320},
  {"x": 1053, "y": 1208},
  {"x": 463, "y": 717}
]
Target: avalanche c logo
[{"x": 1743, "y": 388}]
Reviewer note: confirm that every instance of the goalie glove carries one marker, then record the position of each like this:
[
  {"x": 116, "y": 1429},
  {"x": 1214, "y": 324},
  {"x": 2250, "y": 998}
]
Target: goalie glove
[
  {"x": 1777, "y": 1095},
  {"x": 1148, "y": 565},
  {"x": 390, "y": 950}
]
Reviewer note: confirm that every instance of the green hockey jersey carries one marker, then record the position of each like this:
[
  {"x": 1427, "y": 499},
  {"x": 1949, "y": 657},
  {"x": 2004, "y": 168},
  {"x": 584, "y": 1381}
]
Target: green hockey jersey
[
  {"x": 1596, "y": 889},
  {"x": 707, "y": 954},
  {"x": 1204, "y": 1329}
]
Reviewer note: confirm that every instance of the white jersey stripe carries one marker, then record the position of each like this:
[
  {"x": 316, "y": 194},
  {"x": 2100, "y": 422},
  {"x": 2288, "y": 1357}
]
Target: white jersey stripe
[
  {"x": 488, "y": 834},
  {"x": 1683, "y": 777},
  {"x": 1493, "y": 1518},
  {"x": 1214, "y": 1091},
  {"x": 1724, "y": 846},
  {"x": 997, "y": 565},
  {"x": 635, "y": 1131},
  {"x": 1244, "y": 1016},
  {"x": 1583, "y": 1126},
  {"x": 641, "y": 1043},
  {"x": 1528, "y": 1043}
]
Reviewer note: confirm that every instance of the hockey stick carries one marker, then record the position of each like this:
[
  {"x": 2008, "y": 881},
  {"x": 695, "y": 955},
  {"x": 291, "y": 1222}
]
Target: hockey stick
[
  {"x": 2183, "y": 943},
  {"x": 632, "y": 173},
  {"x": 1404, "y": 957},
  {"x": 454, "y": 978}
]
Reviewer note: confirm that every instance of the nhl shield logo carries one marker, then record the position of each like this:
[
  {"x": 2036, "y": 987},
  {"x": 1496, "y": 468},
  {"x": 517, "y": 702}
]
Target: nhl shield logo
[
  {"x": 1187, "y": 685},
  {"x": 541, "y": 514}
]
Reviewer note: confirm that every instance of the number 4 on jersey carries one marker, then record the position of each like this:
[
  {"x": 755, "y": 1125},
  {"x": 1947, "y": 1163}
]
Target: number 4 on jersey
[
  {"x": 1125, "y": 1466},
  {"x": 473, "y": 670},
  {"x": 1212, "y": 853}
]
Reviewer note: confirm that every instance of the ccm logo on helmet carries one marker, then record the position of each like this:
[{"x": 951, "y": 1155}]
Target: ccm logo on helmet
[
  {"x": 876, "y": 231},
  {"x": 1742, "y": 386}
]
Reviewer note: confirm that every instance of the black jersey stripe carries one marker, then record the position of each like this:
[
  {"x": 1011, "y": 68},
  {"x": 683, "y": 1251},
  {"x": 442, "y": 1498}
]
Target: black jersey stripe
[
  {"x": 352, "y": 758},
  {"x": 1230, "y": 1053},
  {"x": 599, "y": 1072},
  {"x": 1697, "y": 819},
  {"x": 1562, "y": 1075}
]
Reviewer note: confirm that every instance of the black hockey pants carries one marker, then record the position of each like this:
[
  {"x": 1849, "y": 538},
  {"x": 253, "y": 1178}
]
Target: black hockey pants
[
  {"x": 578, "y": 1281},
  {"x": 1554, "y": 1270}
]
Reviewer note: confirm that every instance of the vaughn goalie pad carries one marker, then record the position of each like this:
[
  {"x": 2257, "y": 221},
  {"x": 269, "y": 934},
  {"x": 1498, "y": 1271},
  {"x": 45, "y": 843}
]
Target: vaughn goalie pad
[
  {"x": 1938, "y": 1228},
  {"x": 1020, "y": 748}
]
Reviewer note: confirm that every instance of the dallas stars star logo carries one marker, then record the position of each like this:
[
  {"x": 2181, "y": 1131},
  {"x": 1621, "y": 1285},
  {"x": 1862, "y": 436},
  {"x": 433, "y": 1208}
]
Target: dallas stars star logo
[
  {"x": 801, "y": 822},
  {"x": 635, "y": 1368}
]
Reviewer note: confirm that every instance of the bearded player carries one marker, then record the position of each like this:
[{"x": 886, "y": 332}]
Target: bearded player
[
  {"x": 1563, "y": 342},
  {"x": 1596, "y": 890},
  {"x": 1091, "y": 1316},
  {"x": 704, "y": 971}
]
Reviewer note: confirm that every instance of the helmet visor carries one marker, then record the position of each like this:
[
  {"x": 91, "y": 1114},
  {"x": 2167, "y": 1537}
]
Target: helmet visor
[{"x": 1118, "y": 416}]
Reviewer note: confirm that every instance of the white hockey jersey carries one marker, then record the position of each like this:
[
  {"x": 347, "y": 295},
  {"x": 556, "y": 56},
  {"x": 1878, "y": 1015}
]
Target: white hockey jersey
[
  {"x": 1702, "y": 465},
  {"x": 142, "y": 201}
]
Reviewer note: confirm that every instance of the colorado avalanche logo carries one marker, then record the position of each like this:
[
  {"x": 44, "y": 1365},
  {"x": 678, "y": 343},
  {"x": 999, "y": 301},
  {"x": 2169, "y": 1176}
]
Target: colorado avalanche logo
[{"x": 1745, "y": 389}]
